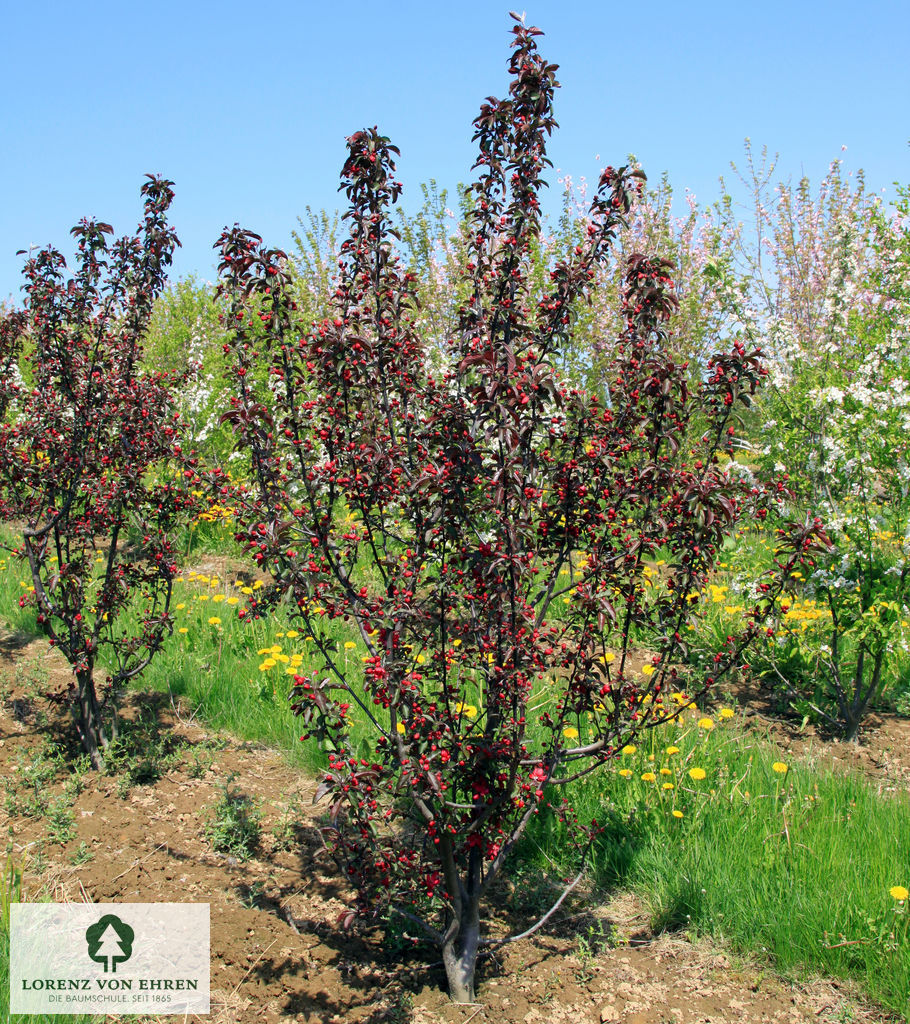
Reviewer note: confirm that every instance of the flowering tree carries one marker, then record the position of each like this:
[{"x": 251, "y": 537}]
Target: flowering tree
[
  {"x": 485, "y": 531},
  {"x": 826, "y": 293},
  {"x": 86, "y": 449}
]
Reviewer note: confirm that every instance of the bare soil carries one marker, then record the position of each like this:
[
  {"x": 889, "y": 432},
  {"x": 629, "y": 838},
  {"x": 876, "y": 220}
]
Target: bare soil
[{"x": 276, "y": 950}]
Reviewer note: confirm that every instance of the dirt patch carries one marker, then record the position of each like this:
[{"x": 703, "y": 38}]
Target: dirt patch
[
  {"x": 881, "y": 752},
  {"x": 276, "y": 950}
]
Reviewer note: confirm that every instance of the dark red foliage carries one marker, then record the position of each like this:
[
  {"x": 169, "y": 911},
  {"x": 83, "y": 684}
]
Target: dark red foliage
[
  {"x": 90, "y": 463},
  {"x": 436, "y": 514}
]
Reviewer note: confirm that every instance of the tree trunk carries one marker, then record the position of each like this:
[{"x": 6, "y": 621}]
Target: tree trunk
[
  {"x": 89, "y": 724},
  {"x": 459, "y": 955}
]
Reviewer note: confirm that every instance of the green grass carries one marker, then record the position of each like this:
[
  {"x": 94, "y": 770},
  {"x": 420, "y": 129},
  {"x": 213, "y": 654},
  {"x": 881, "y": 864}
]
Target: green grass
[{"x": 796, "y": 865}]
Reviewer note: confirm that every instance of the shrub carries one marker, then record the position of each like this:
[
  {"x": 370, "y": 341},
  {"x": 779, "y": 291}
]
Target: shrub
[
  {"x": 488, "y": 531},
  {"x": 90, "y": 462},
  {"x": 833, "y": 316}
]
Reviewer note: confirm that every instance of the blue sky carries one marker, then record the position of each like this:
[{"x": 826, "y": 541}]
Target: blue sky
[{"x": 246, "y": 106}]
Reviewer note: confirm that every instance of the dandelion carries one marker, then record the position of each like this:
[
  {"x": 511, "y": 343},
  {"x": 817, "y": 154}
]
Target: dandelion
[
  {"x": 183, "y": 629},
  {"x": 214, "y": 620},
  {"x": 706, "y": 723},
  {"x": 779, "y": 767},
  {"x": 626, "y": 773},
  {"x": 467, "y": 709},
  {"x": 629, "y": 749},
  {"x": 697, "y": 774},
  {"x": 218, "y": 598},
  {"x": 608, "y": 658},
  {"x": 246, "y": 590},
  {"x": 349, "y": 645},
  {"x": 571, "y": 733},
  {"x": 648, "y": 777},
  {"x": 232, "y": 600},
  {"x": 291, "y": 634},
  {"x": 726, "y": 712},
  {"x": 677, "y": 814},
  {"x": 668, "y": 785},
  {"x": 648, "y": 671},
  {"x": 899, "y": 892},
  {"x": 672, "y": 750},
  {"x": 181, "y": 606},
  {"x": 665, "y": 771},
  {"x": 399, "y": 728}
]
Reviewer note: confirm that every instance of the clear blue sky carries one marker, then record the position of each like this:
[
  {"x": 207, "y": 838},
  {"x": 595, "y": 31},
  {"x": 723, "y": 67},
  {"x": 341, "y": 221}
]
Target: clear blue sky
[{"x": 246, "y": 106}]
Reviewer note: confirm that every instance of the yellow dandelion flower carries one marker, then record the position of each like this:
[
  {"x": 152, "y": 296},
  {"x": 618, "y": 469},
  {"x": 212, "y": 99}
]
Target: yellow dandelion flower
[
  {"x": 264, "y": 650},
  {"x": 648, "y": 777},
  {"x": 214, "y": 620},
  {"x": 217, "y": 599},
  {"x": 677, "y": 814},
  {"x": 291, "y": 634},
  {"x": 648, "y": 670},
  {"x": 665, "y": 771},
  {"x": 899, "y": 892},
  {"x": 726, "y": 712},
  {"x": 705, "y": 723},
  {"x": 671, "y": 750},
  {"x": 180, "y": 606},
  {"x": 608, "y": 658},
  {"x": 779, "y": 767},
  {"x": 232, "y": 600},
  {"x": 202, "y": 597},
  {"x": 456, "y": 643},
  {"x": 275, "y": 649},
  {"x": 246, "y": 590},
  {"x": 571, "y": 733},
  {"x": 270, "y": 663},
  {"x": 668, "y": 785},
  {"x": 466, "y": 709},
  {"x": 628, "y": 749},
  {"x": 349, "y": 645},
  {"x": 697, "y": 774},
  {"x": 626, "y": 773},
  {"x": 399, "y": 728},
  {"x": 183, "y": 629}
]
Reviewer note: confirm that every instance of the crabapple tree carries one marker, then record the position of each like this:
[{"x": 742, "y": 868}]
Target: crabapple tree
[
  {"x": 91, "y": 467},
  {"x": 484, "y": 530}
]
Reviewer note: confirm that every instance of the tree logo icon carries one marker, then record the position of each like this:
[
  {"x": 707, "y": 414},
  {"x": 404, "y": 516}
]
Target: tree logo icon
[{"x": 110, "y": 942}]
